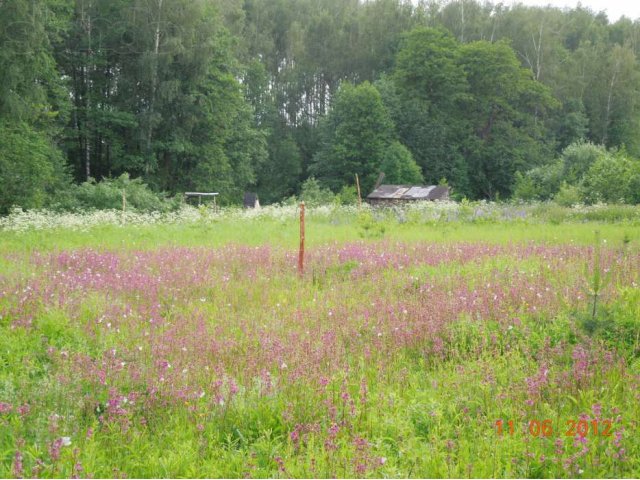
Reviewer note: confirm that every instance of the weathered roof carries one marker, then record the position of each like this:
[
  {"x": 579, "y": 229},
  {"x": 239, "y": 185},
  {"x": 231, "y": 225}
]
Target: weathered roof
[{"x": 409, "y": 192}]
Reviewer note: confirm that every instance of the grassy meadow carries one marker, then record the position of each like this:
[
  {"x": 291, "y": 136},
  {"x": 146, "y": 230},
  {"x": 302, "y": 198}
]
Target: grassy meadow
[{"x": 410, "y": 347}]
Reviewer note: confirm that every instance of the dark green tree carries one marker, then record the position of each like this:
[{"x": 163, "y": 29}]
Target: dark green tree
[
  {"x": 156, "y": 93},
  {"x": 32, "y": 170},
  {"x": 399, "y": 166},
  {"x": 426, "y": 96},
  {"x": 33, "y": 103},
  {"x": 506, "y": 111},
  {"x": 31, "y": 88},
  {"x": 355, "y": 137},
  {"x": 279, "y": 176}
]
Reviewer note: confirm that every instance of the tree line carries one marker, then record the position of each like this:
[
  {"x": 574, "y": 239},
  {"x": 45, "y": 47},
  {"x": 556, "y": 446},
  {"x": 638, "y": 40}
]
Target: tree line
[{"x": 236, "y": 95}]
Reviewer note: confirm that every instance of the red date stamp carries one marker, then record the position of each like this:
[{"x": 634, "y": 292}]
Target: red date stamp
[{"x": 546, "y": 428}]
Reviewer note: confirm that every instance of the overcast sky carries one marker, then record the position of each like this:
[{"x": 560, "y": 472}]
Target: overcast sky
[{"x": 614, "y": 8}]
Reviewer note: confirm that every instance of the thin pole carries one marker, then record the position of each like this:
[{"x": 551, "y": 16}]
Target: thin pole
[
  {"x": 124, "y": 203},
  {"x": 301, "y": 252},
  {"x": 358, "y": 185}
]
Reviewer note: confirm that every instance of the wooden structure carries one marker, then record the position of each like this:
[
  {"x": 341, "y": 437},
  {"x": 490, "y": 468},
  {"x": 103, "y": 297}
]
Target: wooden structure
[
  {"x": 398, "y": 194},
  {"x": 251, "y": 200},
  {"x": 202, "y": 194},
  {"x": 301, "y": 250}
]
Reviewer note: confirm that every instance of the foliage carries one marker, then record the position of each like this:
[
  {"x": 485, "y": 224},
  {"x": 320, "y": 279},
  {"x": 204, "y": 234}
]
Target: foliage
[
  {"x": 399, "y": 166},
  {"x": 111, "y": 193},
  {"x": 279, "y": 175},
  {"x": 369, "y": 226},
  {"x": 31, "y": 167},
  {"x": 578, "y": 158},
  {"x": 568, "y": 195},
  {"x": 468, "y": 107},
  {"x": 356, "y": 134},
  {"x": 506, "y": 115},
  {"x": 31, "y": 89},
  {"x": 584, "y": 172},
  {"x": 348, "y": 195},
  {"x": 314, "y": 194},
  {"x": 156, "y": 94},
  {"x": 246, "y": 95},
  {"x": 425, "y": 97},
  {"x": 609, "y": 179}
]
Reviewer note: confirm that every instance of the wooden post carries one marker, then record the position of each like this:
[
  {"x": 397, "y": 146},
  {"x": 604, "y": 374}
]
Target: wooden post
[
  {"x": 301, "y": 252},
  {"x": 124, "y": 203},
  {"x": 359, "y": 197}
]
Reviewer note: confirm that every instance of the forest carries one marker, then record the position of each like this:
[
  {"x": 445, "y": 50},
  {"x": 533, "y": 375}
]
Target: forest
[{"x": 232, "y": 96}]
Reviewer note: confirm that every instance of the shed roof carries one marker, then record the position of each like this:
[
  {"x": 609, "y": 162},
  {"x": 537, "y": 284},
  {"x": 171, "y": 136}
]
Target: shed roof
[{"x": 409, "y": 192}]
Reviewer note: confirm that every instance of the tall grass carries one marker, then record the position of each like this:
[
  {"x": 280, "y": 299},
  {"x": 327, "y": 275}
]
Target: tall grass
[{"x": 197, "y": 350}]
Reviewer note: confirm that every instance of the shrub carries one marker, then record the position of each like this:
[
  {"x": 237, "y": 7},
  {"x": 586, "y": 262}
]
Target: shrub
[
  {"x": 607, "y": 180},
  {"x": 568, "y": 195},
  {"x": 369, "y": 226},
  {"x": 108, "y": 194},
  {"x": 313, "y": 194},
  {"x": 540, "y": 183},
  {"x": 348, "y": 195},
  {"x": 578, "y": 158}
]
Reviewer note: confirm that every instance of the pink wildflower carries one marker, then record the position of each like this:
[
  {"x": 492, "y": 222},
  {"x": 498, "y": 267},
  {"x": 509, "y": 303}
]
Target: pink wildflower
[{"x": 17, "y": 469}]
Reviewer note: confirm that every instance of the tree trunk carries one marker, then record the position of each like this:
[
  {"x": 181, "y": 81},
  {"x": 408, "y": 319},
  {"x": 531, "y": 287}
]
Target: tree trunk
[
  {"x": 154, "y": 83},
  {"x": 86, "y": 23}
]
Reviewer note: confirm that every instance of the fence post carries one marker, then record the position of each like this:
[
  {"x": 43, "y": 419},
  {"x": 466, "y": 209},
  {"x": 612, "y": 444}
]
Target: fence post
[
  {"x": 301, "y": 251},
  {"x": 359, "y": 197},
  {"x": 124, "y": 203}
]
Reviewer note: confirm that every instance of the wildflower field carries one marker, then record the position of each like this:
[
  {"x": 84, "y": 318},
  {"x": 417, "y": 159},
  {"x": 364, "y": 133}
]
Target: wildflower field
[{"x": 414, "y": 345}]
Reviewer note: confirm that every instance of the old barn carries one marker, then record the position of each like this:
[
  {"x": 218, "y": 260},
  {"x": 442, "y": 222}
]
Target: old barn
[{"x": 398, "y": 194}]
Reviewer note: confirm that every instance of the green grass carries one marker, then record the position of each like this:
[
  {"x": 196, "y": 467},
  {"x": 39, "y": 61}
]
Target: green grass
[
  {"x": 319, "y": 231},
  {"x": 329, "y": 375}
]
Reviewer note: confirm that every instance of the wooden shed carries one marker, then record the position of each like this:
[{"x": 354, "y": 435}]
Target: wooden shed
[
  {"x": 399, "y": 194},
  {"x": 251, "y": 200}
]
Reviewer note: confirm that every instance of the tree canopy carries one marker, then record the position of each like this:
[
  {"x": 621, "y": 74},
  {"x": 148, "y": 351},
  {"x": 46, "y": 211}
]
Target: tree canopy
[{"x": 261, "y": 95}]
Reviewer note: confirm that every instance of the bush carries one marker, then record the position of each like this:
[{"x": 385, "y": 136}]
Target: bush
[
  {"x": 108, "y": 193},
  {"x": 540, "y": 183},
  {"x": 568, "y": 195},
  {"x": 369, "y": 226},
  {"x": 584, "y": 173},
  {"x": 314, "y": 195},
  {"x": 607, "y": 180},
  {"x": 618, "y": 323},
  {"x": 578, "y": 158},
  {"x": 348, "y": 195}
]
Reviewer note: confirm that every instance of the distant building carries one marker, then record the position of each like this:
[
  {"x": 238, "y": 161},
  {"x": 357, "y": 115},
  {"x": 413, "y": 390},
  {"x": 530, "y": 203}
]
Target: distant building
[
  {"x": 251, "y": 200},
  {"x": 398, "y": 194}
]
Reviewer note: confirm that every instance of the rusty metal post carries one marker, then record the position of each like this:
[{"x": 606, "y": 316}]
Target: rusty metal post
[{"x": 301, "y": 251}]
